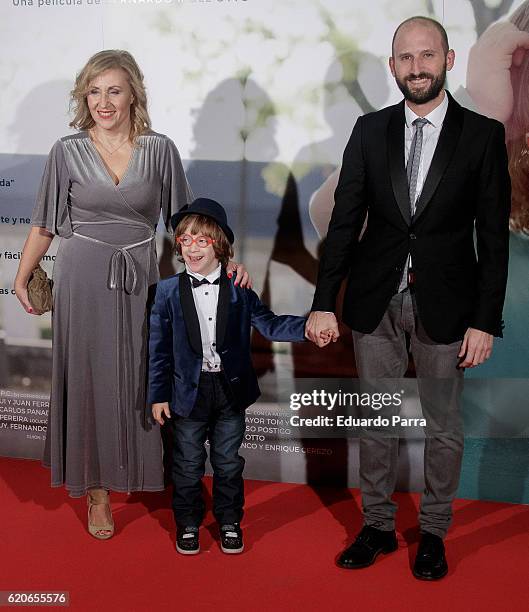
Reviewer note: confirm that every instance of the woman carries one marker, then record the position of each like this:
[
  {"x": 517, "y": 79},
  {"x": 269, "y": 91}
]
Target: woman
[{"x": 102, "y": 192}]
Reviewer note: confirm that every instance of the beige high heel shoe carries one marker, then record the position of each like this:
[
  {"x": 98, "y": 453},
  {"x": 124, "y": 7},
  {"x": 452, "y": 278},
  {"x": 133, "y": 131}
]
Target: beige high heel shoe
[{"x": 98, "y": 497}]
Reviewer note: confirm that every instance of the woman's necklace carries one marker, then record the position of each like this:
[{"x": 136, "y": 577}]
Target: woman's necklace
[{"x": 110, "y": 152}]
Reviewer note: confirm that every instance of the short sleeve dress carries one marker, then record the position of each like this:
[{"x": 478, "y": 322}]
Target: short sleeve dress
[{"x": 100, "y": 432}]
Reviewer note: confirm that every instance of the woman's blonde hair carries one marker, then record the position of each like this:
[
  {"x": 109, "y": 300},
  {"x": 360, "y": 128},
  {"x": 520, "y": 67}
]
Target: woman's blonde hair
[{"x": 140, "y": 121}]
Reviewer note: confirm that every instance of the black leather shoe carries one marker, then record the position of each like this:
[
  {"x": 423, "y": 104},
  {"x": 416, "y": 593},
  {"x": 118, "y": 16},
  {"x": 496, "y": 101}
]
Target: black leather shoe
[
  {"x": 187, "y": 541},
  {"x": 231, "y": 539},
  {"x": 369, "y": 543},
  {"x": 430, "y": 562}
]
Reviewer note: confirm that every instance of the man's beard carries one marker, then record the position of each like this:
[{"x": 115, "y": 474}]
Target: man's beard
[{"x": 425, "y": 95}]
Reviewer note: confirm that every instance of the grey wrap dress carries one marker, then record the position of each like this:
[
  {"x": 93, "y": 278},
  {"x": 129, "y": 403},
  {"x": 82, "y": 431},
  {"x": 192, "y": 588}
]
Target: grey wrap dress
[{"x": 100, "y": 431}]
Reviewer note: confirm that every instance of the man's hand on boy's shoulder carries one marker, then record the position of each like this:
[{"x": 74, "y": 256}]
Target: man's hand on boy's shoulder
[
  {"x": 160, "y": 409},
  {"x": 242, "y": 278}
]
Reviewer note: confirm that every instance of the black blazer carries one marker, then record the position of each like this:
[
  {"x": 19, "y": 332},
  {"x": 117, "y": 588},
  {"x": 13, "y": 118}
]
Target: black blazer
[
  {"x": 459, "y": 283},
  {"x": 175, "y": 343}
]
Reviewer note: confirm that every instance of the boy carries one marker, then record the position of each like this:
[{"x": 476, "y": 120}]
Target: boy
[{"x": 200, "y": 371}]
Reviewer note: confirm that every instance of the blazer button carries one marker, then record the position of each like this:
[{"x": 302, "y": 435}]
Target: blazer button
[{"x": 412, "y": 236}]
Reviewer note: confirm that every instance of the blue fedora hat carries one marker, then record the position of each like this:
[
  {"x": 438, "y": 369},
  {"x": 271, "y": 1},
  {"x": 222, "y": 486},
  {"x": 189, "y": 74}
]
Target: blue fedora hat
[{"x": 208, "y": 208}]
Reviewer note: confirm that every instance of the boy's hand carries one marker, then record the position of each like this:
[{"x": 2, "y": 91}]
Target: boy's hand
[
  {"x": 318, "y": 322},
  {"x": 159, "y": 409},
  {"x": 326, "y": 335}
]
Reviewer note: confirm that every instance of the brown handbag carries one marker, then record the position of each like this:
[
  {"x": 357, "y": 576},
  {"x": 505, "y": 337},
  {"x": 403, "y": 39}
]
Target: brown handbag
[{"x": 39, "y": 291}]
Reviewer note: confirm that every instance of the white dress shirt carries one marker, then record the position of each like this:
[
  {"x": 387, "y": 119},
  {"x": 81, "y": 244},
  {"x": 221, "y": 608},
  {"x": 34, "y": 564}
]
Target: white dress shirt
[
  {"x": 430, "y": 138},
  {"x": 206, "y": 298}
]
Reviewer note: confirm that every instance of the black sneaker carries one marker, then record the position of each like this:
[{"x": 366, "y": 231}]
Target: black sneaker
[
  {"x": 231, "y": 538},
  {"x": 187, "y": 542}
]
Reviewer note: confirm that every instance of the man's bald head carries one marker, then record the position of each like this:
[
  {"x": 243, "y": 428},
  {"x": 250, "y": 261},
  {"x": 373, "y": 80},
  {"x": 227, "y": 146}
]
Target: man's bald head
[{"x": 427, "y": 22}]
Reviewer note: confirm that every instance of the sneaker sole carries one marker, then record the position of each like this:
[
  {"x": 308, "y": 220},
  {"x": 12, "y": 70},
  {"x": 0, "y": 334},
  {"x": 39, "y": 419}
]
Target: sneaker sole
[
  {"x": 232, "y": 551},
  {"x": 187, "y": 552}
]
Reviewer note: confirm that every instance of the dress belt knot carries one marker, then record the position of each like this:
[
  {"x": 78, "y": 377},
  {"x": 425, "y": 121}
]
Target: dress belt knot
[{"x": 122, "y": 268}]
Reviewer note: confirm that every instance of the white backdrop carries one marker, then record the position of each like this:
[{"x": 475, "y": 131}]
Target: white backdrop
[{"x": 266, "y": 90}]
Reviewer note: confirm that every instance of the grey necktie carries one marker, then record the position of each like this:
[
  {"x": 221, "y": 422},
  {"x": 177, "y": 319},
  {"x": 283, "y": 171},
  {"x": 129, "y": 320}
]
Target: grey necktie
[
  {"x": 412, "y": 170},
  {"x": 414, "y": 159}
]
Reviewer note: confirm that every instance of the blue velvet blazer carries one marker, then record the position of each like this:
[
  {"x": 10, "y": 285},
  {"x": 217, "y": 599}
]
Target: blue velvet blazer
[{"x": 175, "y": 344}]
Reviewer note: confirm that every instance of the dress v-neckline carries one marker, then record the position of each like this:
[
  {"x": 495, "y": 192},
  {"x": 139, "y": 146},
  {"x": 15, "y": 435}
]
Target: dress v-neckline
[{"x": 104, "y": 166}]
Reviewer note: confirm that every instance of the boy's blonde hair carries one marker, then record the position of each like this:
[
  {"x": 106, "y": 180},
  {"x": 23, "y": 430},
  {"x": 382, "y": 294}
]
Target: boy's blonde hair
[{"x": 201, "y": 224}]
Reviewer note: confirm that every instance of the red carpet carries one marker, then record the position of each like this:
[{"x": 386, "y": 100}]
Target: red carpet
[{"x": 293, "y": 534}]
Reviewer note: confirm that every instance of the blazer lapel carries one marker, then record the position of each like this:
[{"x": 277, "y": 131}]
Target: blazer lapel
[
  {"x": 223, "y": 306},
  {"x": 446, "y": 146},
  {"x": 397, "y": 170},
  {"x": 190, "y": 314}
]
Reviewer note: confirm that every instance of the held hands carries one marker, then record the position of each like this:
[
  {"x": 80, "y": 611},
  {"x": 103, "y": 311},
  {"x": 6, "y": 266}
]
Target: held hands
[
  {"x": 327, "y": 335},
  {"x": 161, "y": 409},
  {"x": 476, "y": 348},
  {"x": 499, "y": 48},
  {"x": 321, "y": 328}
]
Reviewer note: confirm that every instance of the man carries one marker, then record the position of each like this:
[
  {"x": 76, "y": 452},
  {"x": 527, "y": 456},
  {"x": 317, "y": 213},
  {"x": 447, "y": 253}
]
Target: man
[{"x": 426, "y": 173}]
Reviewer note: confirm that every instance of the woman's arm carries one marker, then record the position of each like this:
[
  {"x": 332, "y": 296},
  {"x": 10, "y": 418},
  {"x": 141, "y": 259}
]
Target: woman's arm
[{"x": 36, "y": 246}]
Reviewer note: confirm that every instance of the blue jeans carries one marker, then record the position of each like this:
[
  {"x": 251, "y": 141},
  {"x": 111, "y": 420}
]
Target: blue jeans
[{"x": 215, "y": 417}]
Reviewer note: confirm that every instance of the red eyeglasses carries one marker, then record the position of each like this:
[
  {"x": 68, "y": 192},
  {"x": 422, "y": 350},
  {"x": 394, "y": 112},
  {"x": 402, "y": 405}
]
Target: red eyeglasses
[{"x": 201, "y": 241}]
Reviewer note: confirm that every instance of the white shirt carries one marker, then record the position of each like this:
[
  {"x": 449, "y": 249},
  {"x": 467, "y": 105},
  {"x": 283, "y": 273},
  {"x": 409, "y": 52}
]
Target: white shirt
[
  {"x": 206, "y": 298},
  {"x": 430, "y": 132},
  {"x": 430, "y": 138}
]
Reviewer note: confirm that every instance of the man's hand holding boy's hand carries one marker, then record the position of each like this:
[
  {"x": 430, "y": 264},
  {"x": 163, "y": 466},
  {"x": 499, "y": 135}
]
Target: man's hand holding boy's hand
[
  {"x": 158, "y": 410},
  {"x": 327, "y": 336},
  {"x": 321, "y": 323}
]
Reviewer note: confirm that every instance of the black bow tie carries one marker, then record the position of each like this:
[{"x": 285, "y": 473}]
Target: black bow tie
[{"x": 204, "y": 281}]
